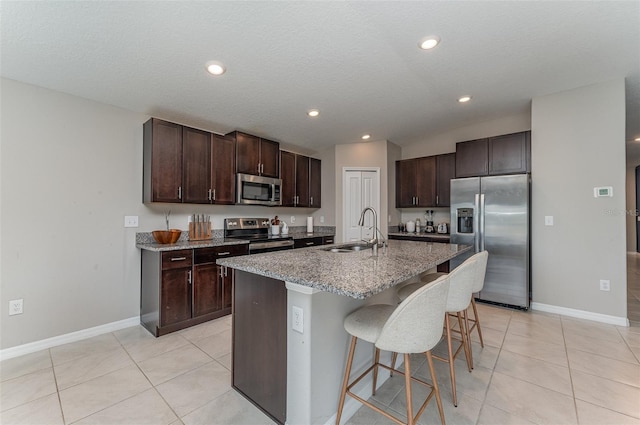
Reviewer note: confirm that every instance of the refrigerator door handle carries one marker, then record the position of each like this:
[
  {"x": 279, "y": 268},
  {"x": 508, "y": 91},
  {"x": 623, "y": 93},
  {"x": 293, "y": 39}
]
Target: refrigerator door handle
[
  {"x": 482, "y": 222},
  {"x": 476, "y": 220}
]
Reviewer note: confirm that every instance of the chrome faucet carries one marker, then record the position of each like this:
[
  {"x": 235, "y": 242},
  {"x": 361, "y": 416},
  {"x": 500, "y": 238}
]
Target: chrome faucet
[{"x": 374, "y": 240}]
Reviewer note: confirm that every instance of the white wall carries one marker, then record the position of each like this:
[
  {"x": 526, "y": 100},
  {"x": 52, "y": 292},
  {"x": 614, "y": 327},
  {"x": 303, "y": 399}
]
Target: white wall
[
  {"x": 71, "y": 169},
  {"x": 578, "y": 142}
]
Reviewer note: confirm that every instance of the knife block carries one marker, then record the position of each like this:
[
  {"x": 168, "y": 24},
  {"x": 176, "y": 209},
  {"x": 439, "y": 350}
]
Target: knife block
[{"x": 199, "y": 231}]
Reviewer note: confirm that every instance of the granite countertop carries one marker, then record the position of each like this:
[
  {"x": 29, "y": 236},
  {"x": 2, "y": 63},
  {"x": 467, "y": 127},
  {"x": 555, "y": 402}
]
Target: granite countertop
[
  {"x": 355, "y": 274},
  {"x": 445, "y": 236},
  {"x": 148, "y": 243}
]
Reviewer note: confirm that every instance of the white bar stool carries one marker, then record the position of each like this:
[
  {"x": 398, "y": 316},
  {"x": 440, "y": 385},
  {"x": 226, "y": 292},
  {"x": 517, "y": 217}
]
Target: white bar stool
[{"x": 413, "y": 326}]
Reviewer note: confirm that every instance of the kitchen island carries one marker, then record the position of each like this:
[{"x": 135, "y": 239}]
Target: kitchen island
[{"x": 294, "y": 375}]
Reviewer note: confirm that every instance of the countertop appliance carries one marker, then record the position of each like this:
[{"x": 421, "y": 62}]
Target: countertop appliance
[
  {"x": 494, "y": 214},
  {"x": 256, "y": 231},
  {"x": 258, "y": 190}
]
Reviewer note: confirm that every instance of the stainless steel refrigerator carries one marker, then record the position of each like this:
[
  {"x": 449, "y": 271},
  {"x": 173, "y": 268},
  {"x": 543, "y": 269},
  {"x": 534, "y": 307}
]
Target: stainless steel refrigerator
[{"x": 493, "y": 214}]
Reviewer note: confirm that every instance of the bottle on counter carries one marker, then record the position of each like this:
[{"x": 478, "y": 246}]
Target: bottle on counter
[{"x": 418, "y": 225}]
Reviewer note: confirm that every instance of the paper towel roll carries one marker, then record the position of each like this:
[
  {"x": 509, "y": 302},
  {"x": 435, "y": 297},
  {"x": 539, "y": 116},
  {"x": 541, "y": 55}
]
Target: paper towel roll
[{"x": 309, "y": 224}]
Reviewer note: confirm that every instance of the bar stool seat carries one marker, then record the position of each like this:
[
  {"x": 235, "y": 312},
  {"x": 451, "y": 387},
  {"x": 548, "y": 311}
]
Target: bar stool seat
[{"x": 413, "y": 326}]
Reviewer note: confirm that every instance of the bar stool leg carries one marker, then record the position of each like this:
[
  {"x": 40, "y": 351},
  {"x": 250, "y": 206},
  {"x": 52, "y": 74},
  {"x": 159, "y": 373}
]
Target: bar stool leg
[
  {"x": 452, "y": 371},
  {"x": 465, "y": 343},
  {"x": 468, "y": 332},
  {"x": 407, "y": 383},
  {"x": 477, "y": 320},
  {"x": 394, "y": 357},
  {"x": 376, "y": 361},
  {"x": 436, "y": 388},
  {"x": 345, "y": 382}
]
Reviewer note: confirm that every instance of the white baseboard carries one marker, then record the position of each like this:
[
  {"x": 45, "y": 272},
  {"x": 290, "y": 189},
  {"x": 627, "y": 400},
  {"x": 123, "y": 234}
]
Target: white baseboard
[
  {"x": 32, "y": 347},
  {"x": 581, "y": 314}
]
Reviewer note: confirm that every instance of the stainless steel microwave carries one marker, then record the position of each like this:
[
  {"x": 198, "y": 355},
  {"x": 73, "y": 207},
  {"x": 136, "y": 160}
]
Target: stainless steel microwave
[{"x": 257, "y": 190}]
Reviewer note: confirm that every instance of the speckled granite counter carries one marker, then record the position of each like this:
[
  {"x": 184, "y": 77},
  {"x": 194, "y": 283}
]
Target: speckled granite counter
[
  {"x": 354, "y": 274},
  {"x": 444, "y": 237},
  {"x": 187, "y": 244}
]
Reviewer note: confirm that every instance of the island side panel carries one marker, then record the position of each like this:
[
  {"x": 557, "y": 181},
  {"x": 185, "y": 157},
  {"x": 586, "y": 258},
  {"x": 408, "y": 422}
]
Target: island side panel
[{"x": 259, "y": 369}]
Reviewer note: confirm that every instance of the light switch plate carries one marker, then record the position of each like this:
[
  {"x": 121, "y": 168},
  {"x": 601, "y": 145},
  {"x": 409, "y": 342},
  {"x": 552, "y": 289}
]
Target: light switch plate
[{"x": 130, "y": 221}]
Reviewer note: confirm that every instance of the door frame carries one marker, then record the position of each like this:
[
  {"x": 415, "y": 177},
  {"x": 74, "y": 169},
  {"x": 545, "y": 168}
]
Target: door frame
[{"x": 376, "y": 170}]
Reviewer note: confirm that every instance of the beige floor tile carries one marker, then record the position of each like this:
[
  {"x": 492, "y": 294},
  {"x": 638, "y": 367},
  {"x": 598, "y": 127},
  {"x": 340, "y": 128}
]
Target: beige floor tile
[
  {"x": 499, "y": 322},
  {"x": 225, "y": 361},
  {"x": 591, "y": 329},
  {"x": 75, "y": 350},
  {"x": 389, "y": 390},
  {"x": 194, "y": 389},
  {"x": 552, "y": 353},
  {"x": 228, "y": 409},
  {"x": 593, "y": 364},
  {"x": 166, "y": 366},
  {"x": 132, "y": 335},
  {"x": 23, "y": 365},
  {"x": 473, "y": 384},
  {"x": 535, "y": 371},
  {"x": 364, "y": 416},
  {"x": 26, "y": 388},
  {"x": 484, "y": 357},
  {"x": 216, "y": 345},
  {"x": 612, "y": 395},
  {"x": 491, "y": 337},
  {"x": 45, "y": 410},
  {"x": 148, "y": 348},
  {"x": 589, "y": 414},
  {"x": 550, "y": 319},
  {"x": 525, "y": 400},
  {"x": 631, "y": 337},
  {"x": 142, "y": 409},
  {"x": 606, "y": 348},
  {"x": 490, "y": 415},
  {"x": 538, "y": 331},
  {"x": 206, "y": 329},
  {"x": 88, "y": 367},
  {"x": 97, "y": 394}
]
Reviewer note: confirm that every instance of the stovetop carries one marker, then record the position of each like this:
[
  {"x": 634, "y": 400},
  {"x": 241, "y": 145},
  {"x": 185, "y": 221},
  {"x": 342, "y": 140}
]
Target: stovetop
[{"x": 251, "y": 229}]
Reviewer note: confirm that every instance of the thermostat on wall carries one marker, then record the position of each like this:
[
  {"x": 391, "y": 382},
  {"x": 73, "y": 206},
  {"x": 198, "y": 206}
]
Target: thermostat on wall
[{"x": 599, "y": 192}]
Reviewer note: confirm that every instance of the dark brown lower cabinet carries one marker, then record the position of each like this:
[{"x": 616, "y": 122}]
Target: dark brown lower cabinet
[
  {"x": 185, "y": 287},
  {"x": 260, "y": 342}
]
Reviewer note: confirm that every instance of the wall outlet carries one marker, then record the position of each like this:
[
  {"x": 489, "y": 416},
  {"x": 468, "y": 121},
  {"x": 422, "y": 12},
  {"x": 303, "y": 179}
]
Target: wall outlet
[
  {"x": 605, "y": 285},
  {"x": 321, "y": 219},
  {"x": 15, "y": 307},
  {"x": 548, "y": 220},
  {"x": 130, "y": 221},
  {"x": 293, "y": 219},
  {"x": 297, "y": 319}
]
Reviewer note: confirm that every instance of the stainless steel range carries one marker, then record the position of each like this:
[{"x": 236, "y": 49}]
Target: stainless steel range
[{"x": 256, "y": 231}]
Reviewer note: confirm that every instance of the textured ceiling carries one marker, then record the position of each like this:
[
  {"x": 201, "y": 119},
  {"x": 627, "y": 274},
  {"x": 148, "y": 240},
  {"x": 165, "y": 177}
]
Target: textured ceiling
[{"x": 357, "y": 62}]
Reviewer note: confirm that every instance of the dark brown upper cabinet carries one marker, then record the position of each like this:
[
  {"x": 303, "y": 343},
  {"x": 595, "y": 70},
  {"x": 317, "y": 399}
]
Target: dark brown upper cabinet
[
  {"x": 256, "y": 155},
  {"x": 506, "y": 154},
  {"x": 445, "y": 171},
  {"x": 300, "y": 180},
  {"x": 196, "y": 166},
  {"x": 162, "y": 161},
  {"x": 416, "y": 182},
  {"x": 223, "y": 170}
]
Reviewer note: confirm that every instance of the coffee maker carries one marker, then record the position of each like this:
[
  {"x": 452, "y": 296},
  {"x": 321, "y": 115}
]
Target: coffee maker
[{"x": 428, "y": 221}]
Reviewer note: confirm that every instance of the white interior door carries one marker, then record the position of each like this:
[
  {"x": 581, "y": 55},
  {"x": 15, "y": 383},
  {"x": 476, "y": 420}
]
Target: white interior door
[{"x": 361, "y": 189}]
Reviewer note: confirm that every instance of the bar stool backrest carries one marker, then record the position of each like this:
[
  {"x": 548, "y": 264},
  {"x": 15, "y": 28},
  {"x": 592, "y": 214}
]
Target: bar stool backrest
[
  {"x": 482, "y": 258},
  {"x": 462, "y": 279},
  {"x": 416, "y": 324}
]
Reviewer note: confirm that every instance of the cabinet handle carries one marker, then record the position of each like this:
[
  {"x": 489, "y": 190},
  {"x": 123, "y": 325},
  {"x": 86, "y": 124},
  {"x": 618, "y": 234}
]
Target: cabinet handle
[
  {"x": 310, "y": 243},
  {"x": 311, "y": 201},
  {"x": 417, "y": 200},
  {"x": 223, "y": 253},
  {"x": 189, "y": 277},
  {"x": 178, "y": 258},
  {"x": 225, "y": 271},
  {"x": 209, "y": 195},
  {"x": 179, "y": 192},
  {"x": 262, "y": 168},
  {"x": 221, "y": 268},
  {"x": 214, "y": 194},
  {"x": 437, "y": 201}
]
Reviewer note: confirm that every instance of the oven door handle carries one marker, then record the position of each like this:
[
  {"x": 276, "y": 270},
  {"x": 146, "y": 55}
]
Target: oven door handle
[{"x": 272, "y": 244}]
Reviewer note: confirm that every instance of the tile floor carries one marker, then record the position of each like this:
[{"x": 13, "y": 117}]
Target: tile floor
[{"x": 535, "y": 368}]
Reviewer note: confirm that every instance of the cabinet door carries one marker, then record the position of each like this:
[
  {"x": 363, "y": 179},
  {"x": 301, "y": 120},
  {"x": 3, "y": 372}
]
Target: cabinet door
[
  {"x": 445, "y": 171},
  {"x": 405, "y": 183},
  {"x": 207, "y": 294},
  {"x": 175, "y": 296},
  {"x": 302, "y": 181},
  {"x": 426, "y": 181},
  {"x": 248, "y": 153},
  {"x": 163, "y": 167},
  {"x": 472, "y": 158},
  {"x": 508, "y": 154},
  {"x": 315, "y": 183},
  {"x": 288, "y": 176},
  {"x": 223, "y": 170},
  {"x": 269, "y": 158},
  {"x": 196, "y": 163}
]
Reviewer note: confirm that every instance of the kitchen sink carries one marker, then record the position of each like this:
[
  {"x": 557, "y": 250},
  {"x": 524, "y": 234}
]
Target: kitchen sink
[{"x": 349, "y": 247}]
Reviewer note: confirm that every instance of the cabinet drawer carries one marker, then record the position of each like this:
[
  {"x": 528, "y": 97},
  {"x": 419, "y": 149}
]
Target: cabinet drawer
[
  {"x": 210, "y": 255},
  {"x": 176, "y": 259},
  {"x": 303, "y": 243},
  {"x": 328, "y": 240}
]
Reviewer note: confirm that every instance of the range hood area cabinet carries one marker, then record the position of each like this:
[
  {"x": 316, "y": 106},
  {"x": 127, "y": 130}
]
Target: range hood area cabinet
[
  {"x": 187, "y": 165},
  {"x": 424, "y": 181},
  {"x": 301, "y": 180},
  {"x": 505, "y": 154},
  {"x": 255, "y": 155}
]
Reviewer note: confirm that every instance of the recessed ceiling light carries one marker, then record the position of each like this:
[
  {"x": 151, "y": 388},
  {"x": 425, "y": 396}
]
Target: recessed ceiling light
[
  {"x": 430, "y": 42},
  {"x": 366, "y": 136},
  {"x": 215, "y": 68},
  {"x": 464, "y": 99},
  {"x": 637, "y": 139},
  {"x": 313, "y": 113}
]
